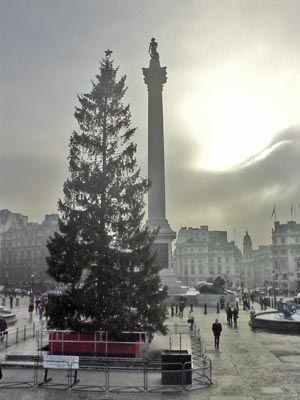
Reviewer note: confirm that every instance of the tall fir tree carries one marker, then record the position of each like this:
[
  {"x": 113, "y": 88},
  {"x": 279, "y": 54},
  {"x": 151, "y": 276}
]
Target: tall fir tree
[{"x": 102, "y": 252}]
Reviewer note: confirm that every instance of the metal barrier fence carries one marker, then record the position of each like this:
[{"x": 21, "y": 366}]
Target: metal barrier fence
[
  {"x": 183, "y": 328},
  {"x": 21, "y": 333},
  {"x": 105, "y": 376}
]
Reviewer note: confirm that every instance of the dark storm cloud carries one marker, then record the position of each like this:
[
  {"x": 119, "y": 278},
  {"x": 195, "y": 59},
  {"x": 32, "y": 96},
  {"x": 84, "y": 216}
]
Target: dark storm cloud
[{"x": 239, "y": 198}]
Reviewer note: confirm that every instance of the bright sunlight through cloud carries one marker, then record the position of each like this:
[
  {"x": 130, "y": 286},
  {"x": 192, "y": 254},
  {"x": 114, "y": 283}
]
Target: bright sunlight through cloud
[{"x": 241, "y": 108}]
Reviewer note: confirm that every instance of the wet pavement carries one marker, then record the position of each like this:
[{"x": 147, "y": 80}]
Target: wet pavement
[{"x": 248, "y": 365}]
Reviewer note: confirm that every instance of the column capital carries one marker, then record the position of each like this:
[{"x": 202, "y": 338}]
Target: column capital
[{"x": 155, "y": 75}]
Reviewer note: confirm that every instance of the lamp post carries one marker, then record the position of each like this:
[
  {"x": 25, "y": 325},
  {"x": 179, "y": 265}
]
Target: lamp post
[
  {"x": 6, "y": 284},
  {"x": 274, "y": 289},
  {"x": 32, "y": 282},
  {"x": 187, "y": 276}
]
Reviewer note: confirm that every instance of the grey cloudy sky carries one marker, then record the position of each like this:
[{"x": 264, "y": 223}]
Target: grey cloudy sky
[{"x": 231, "y": 103}]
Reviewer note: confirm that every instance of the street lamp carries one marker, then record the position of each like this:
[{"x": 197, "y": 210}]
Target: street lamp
[
  {"x": 6, "y": 284},
  {"x": 274, "y": 289},
  {"x": 32, "y": 282},
  {"x": 187, "y": 276}
]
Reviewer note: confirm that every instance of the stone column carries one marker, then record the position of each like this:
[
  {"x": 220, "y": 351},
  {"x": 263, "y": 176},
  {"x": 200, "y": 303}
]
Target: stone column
[{"x": 155, "y": 76}]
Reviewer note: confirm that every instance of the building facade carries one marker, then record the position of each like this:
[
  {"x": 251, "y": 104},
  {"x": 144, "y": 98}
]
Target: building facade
[
  {"x": 257, "y": 266},
  {"x": 201, "y": 255},
  {"x": 23, "y": 254},
  {"x": 286, "y": 257}
]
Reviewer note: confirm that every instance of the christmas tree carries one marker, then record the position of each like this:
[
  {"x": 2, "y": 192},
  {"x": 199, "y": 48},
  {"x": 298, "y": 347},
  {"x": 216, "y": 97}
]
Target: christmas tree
[{"x": 102, "y": 252}]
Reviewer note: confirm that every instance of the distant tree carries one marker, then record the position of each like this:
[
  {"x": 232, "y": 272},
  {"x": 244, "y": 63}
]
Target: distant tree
[{"x": 102, "y": 252}]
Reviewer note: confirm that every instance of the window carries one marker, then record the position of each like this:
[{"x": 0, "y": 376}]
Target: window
[
  {"x": 200, "y": 269},
  {"x": 192, "y": 269},
  {"x": 227, "y": 259},
  {"x": 219, "y": 259},
  {"x": 283, "y": 240}
]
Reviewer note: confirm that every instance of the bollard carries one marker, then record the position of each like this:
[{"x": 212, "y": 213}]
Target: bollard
[
  {"x": 3, "y": 301},
  {"x": 205, "y": 308},
  {"x": 218, "y": 308}
]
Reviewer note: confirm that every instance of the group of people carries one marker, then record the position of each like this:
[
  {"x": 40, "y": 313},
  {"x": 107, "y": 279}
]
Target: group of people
[
  {"x": 177, "y": 309},
  {"x": 245, "y": 301},
  {"x": 39, "y": 305},
  {"x": 232, "y": 315}
]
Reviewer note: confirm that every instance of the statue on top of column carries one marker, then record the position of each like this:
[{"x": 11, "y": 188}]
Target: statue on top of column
[{"x": 153, "y": 50}]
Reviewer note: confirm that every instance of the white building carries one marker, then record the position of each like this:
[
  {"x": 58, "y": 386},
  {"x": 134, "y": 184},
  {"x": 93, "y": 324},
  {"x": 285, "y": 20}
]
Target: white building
[
  {"x": 257, "y": 265},
  {"x": 286, "y": 256},
  {"x": 201, "y": 254}
]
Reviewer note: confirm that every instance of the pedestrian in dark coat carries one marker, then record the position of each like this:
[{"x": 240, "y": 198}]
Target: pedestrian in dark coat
[
  {"x": 229, "y": 316},
  {"x": 30, "y": 310},
  {"x": 217, "y": 329},
  {"x": 172, "y": 310},
  {"x": 235, "y": 315},
  {"x": 11, "y": 300}
]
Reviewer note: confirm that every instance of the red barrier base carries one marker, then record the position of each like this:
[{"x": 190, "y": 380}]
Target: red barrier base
[{"x": 93, "y": 344}]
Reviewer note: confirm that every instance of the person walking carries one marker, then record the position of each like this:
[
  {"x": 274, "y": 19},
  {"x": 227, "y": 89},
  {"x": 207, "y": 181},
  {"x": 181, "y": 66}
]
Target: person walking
[
  {"x": 229, "y": 316},
  {"x": 30, "y": 310},
  {"x": 252, "y": 312},
  {"x": 235, "y": 314},
  {"x": 217, "y": 329},
  {"x": 191, "y": 320},
  {"x": 11, "y": 300},
  {"x": 41, "y": 310},
  {"x": 181, "y": 309},
  {"x": 176, "y": 309},
  {"x": 172, "y": 310}
]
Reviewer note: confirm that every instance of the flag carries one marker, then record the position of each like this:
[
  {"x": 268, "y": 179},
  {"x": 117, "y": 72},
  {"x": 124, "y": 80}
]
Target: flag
[{"x": 273, "y": 212}]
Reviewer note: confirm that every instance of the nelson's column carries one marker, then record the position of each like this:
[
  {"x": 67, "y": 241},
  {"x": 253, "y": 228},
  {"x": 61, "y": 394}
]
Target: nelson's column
[{"x": 155, "y": 76}]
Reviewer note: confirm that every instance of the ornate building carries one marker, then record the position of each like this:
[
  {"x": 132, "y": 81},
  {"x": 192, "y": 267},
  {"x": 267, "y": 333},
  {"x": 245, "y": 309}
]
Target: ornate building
[
  {"x": 201, "y": 255},
  {"x": 23, "y": 252},
  {"x": 257, "y": 266},
  {"x": 286, "y": 257}
]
